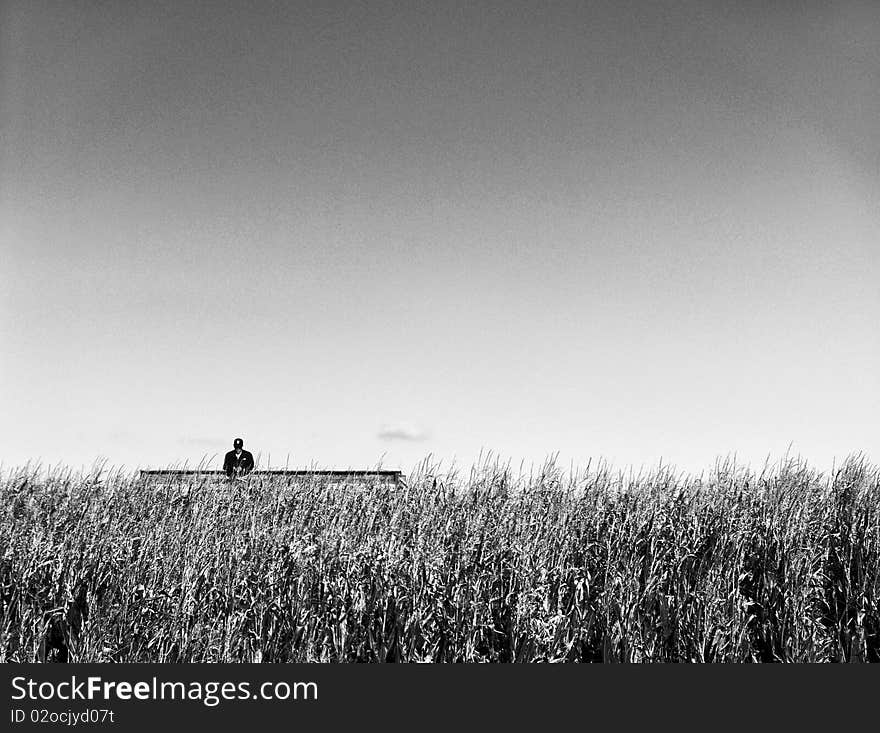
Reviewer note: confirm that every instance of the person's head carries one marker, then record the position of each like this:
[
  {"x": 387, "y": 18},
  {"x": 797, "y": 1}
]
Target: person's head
[{"x": 238, "y": 444}]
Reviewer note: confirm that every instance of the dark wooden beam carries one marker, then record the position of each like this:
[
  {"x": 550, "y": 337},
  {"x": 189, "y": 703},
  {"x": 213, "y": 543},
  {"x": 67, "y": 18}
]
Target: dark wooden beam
[{"x": 395, "y": 475}]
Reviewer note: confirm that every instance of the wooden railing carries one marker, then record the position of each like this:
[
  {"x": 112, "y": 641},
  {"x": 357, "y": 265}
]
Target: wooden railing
[{"x": 395, "y": 477}]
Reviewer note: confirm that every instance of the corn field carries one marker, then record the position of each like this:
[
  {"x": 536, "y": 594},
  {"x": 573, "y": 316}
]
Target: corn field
[{"x": 779, "y": 565}]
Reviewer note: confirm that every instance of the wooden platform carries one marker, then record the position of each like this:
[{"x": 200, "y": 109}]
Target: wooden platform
[{"x": 395, "y": 477}]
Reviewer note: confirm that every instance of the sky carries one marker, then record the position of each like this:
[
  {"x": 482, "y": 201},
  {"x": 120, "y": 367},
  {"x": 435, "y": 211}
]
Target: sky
[{"x": 356, "y": 233}]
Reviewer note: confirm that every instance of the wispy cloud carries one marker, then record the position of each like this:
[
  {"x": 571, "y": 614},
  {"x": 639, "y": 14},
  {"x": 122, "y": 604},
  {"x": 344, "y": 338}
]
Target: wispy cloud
[
  {"x": 402, "y": 431},
  {"x": 122, "y": 435},
  {"x": 202, "y": 442}
]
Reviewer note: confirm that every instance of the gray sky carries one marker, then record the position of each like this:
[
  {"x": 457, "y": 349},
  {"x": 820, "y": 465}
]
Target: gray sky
[{"x": 349, "y": 230}]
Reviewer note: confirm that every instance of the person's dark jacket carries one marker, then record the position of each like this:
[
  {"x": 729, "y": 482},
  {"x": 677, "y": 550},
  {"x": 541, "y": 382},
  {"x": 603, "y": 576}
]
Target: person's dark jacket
[{"x": 238, "y": 465}]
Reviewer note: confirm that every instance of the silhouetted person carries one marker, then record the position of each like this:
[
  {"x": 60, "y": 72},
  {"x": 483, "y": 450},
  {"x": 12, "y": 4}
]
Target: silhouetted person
[{"x": 238, "y": 462}]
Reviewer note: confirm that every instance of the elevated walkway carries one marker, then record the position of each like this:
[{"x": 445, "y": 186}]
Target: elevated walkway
[{"x": 392, "y": 477}]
